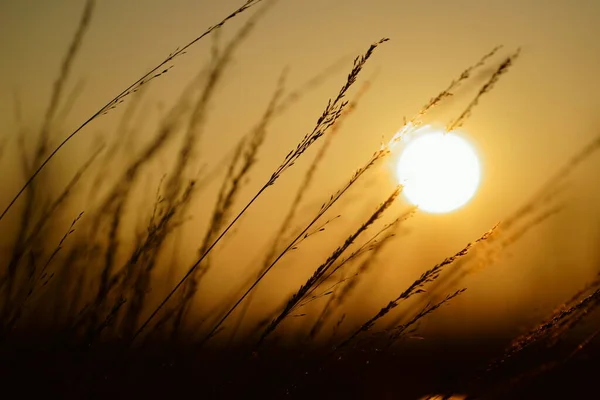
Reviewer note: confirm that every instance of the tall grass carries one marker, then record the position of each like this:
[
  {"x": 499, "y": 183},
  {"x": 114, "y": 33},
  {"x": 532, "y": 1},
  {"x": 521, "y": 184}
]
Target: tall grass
[{"x": 94, "y": 296}]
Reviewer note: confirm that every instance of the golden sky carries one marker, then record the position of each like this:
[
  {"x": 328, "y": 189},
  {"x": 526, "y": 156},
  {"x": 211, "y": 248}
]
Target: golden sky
[{"x": 539, "y": 114}]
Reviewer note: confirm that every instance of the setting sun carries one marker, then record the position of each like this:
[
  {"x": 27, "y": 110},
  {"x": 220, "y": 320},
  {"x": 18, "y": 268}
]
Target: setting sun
[
  {"x": 300, "y": 199},
  {"x": 440, "y": 171}
]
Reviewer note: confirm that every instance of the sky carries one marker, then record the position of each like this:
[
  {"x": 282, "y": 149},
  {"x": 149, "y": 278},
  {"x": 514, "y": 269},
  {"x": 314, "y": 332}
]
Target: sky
[{"x": 540, "y": 114}]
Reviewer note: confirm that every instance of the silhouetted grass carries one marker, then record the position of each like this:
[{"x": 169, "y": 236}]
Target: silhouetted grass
[{"x": 91, "y": 313}]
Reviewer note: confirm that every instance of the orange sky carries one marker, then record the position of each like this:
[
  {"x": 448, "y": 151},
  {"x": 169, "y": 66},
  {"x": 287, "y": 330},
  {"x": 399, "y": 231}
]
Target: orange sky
[{"x": 539, "y": 114}]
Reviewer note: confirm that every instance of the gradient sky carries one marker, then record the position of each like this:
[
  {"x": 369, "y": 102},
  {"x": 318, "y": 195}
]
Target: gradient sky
[{"x": 541, "y": 113}]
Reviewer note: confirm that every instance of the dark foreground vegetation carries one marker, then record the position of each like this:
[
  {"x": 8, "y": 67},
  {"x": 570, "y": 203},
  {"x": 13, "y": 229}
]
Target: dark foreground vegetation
[{"x": 94, "y": 310}]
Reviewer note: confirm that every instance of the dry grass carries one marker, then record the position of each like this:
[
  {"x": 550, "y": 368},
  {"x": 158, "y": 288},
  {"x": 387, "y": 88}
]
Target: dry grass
[{"x": 94, "y": 298}]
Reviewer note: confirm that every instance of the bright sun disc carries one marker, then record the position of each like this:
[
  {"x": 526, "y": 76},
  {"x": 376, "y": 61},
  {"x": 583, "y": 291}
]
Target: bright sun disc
[{"x": 440, "y": 171}]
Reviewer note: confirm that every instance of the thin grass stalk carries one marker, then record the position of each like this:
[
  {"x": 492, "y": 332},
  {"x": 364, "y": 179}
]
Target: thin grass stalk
[
  {"x": 134, "y": 87},
  {"x": 230, "y": 188},
  {"x": 461, "y": 268},
  {"x": 552, "y": 365},
  {"x": 415, "y": 288},
  {"x": 284, "y": 105},
  {"x": 546, "y": 194},
  {"x": 312, "y": 169},
  {"x": 547, "y": 190},
  {"x": 122, "y": 133},
  {"x": 18, "y": 310},
  {"x": 54, "y": 207},
  {"x": 428, "y": 309},
  {"x": 60, "y": 82},
  {"x": 123, "y": 185},
  {"x": 376, "y": 247},
  {"x": 44, "y": 135},
  {"x": 324, "y": 123},
  {"x": 316, "y": 278},
  {"x": 143, "y": 260},
  {"x": 114, "y": 203},
  {"x": 379, "y": 154},
  {"x": 543, "y": 330},
  {"x": 300, "y": 193},
  {"x": 486, "y": 88},
  {"x": 199, "y": 112},
  {"x": 194, "y": 125}
]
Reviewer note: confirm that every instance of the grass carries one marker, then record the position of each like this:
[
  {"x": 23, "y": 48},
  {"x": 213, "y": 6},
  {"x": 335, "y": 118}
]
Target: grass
[{"x": 86, "y": 315}]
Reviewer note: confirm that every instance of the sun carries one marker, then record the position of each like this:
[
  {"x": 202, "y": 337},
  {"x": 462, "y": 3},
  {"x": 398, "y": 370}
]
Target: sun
[{"x": 440, "y": 171}]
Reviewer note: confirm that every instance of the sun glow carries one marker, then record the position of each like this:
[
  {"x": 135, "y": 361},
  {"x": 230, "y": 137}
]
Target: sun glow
[{"x": 440, "y": 171}]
